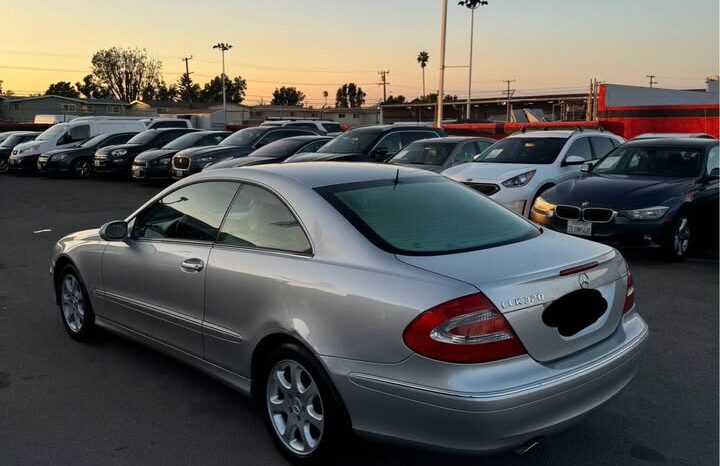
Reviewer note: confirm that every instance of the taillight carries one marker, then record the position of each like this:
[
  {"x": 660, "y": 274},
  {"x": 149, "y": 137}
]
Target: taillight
[
  {"x": 467, "y": 330},
  {"x": 630, "y": 294}
]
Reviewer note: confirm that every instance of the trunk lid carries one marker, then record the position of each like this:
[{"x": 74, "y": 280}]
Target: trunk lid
[{"x": 524, "y": 279}]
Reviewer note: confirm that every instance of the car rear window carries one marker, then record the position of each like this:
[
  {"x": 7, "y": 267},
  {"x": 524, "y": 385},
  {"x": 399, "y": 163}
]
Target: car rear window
[{"x": 426, "y": 215}]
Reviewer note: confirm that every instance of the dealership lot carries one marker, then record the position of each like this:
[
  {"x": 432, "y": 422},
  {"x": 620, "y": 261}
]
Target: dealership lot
[{"x": 116, "y": 402}]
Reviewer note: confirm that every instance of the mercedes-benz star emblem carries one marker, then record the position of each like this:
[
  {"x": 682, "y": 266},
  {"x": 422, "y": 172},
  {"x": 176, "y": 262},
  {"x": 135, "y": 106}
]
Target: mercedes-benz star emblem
[{"x": 584, "y": 280}]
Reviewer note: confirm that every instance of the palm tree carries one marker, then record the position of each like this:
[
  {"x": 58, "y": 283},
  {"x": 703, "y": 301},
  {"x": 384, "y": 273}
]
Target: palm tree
[
  {"x": 423, "y": 58},
  {"x": 325, "y": 96}
]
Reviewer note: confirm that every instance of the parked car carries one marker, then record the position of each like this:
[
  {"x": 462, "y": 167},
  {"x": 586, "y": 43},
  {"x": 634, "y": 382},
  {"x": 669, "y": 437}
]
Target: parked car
[
  {"x": 672, "y": 136},
  {"x": 119, "y": 159},
  {"x": 65, "y": 135},
  {"x": 275, "y": 152},
  {"x": 239, "y": 144},
  {"x": 78, "y": 160},
  {"x": 323, "y": 291},
  {"x": 375, "y": 143},
  {"x": 516, "y": 170},
  {"x": 159, "y": 123},
  {"x": 650, "y": 192},
  {"x": 6, "y": 134},
  {"x": 8, "y": 144},
  {"x": 438, "y": 154},
  {"x": 325, "y": 127},
  {"x": 155, "y": 163}
]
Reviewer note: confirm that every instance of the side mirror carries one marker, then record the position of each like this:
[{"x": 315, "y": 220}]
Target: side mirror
[
  {"x": 586, "y": 167},
  {"x": 714, "y": 174},
  {"x": 114, "y": 231},
  {"x": 574, "y": 160},
  {"x": 379, "y": 154}
]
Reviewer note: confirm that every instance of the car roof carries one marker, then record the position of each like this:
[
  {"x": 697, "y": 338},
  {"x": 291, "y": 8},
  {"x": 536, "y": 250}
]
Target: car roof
[
  {"x": 690, "y": 143},
  {"x": 306, "y": 137},
  {"x": 673, "y": 135},
  {"x": 556, "y": 133},
  {"x": 22, "y": 133},
  {"x": 315, "y": 174},
  {"x": 451, "y": 140}
]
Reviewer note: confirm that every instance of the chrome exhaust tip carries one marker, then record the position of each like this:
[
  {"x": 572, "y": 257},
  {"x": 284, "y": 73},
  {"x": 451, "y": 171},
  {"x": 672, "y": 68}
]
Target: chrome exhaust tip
[{"x": 526, "y": 448}]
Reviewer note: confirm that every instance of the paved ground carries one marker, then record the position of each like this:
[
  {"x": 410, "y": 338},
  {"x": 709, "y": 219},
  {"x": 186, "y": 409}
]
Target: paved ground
[{"x": 117, "y": 403}]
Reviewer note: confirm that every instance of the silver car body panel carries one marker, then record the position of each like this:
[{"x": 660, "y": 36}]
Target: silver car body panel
[{"x": 348, "y": 302}]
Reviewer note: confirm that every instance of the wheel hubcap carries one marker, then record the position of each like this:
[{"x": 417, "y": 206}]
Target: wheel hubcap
[
  {"x": 73, "y": 303},
  {"x": 82, "y": 169},
  {"x": 295, "y": 407},
  {"x": 682, "y": 237}
]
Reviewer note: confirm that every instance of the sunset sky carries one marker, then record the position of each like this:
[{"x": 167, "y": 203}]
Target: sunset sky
[{"x": 317, "y": 45}]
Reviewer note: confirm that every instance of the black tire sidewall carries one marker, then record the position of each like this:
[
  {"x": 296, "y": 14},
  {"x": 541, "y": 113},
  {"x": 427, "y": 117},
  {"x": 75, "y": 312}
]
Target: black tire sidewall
[
  {"x": 670, "y": 251},
  {"x": 88, "y": 330},
  {"x": 337, "y": 426}
]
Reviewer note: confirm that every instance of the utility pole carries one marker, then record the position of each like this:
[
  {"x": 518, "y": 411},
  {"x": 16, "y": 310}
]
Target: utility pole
[
  {"x": 223, "y": 47},
  {"x": 383, "y": 82},
  {"x": 472, "y": 6},
  {"x": 651, "y": 78},
  {"x": 187, "y": 72},
  {"x": 441, "y": 80},
  {"x": 509, "y": 92}
]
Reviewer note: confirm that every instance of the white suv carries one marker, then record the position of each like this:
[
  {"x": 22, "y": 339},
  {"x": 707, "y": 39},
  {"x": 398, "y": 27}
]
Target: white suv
[
  {"x": 516, "y": 170},
  {"x": 324, "y": 127}
]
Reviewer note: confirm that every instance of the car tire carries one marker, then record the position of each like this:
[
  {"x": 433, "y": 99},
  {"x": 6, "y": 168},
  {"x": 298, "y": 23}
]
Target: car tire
[
  {"x": 3, "y": 166},
  {"x": 678, "y": 242},
  {"x": 302, "y": 410},
  {"x": 75, "y": 308},
  {"x": 80, "y": 168}
]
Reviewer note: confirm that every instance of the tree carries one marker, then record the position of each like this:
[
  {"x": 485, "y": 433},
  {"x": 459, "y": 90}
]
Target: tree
[
  {"x": 395, "y": 100},
  {"x": 234, "y": 90},
  {"x": 432, "y": 98},
  {"x": 423, "y": 58},
  {"x": 188, "y": 91},
  {"x": 349, "y": 95},
  {"x": 325, "y": 96},
  {"x": 472, "y": 3},
  {"x": 126, "y": 73},
  {"x": 63, "y": 89},
  {"x": 287, "y": 96},
  {"x": 160, "y": 92},
  {"x": 91, "y": 89}
]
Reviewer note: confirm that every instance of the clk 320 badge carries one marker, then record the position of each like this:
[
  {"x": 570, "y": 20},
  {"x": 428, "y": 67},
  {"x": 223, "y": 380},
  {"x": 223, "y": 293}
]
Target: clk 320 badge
[{"x": 523, "y": 301}]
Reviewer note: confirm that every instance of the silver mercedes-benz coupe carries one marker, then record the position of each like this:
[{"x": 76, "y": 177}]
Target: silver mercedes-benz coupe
[{"x": 345, "y": 297}]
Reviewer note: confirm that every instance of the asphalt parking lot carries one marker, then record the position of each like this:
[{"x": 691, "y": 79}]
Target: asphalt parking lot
[{"x": 115, "y": 402}]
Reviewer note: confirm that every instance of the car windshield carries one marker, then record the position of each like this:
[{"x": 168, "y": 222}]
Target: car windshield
[
  {"x": 424, "y": 153},
  {"x": 672, "y": 162},
  {"x": 281, "y": 148},
  {"x": 183, "y": 142},
  {"x": 92, "y": 142},
  {"x": 541, "y": 151},
  {"x": 144, "y": 137},
  {"x": 357, "y": 141},
  {"x": 244, "y": 137},
  {"x": 53, "y": 132},
  {"x": 332, "y": 127},
  {"x": 14, "y": 140},
  {"x": 426, "y": 215}
]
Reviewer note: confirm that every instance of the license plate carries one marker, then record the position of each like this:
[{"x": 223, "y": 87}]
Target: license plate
[
  {"x": 98, "y": 163},
  {"x": 136, "y": 171},
  {"x": 579, "y": 228}
]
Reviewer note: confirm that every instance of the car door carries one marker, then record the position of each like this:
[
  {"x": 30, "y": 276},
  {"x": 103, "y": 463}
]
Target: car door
[
  {"x": 260, "y": 241},
  {"x": 153, "y": 283},
  {"x": 568, "y": 170}
]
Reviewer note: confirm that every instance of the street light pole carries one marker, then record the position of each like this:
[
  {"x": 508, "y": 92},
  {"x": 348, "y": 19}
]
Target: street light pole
[
  {"x": 472, "y": 27},
  {"x": 223, "y": 47},
  {"x": 441, "y": 80}
]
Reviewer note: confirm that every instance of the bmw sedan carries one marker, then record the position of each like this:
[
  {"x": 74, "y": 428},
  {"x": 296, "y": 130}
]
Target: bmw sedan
[
  {"x": 651, "y": 192},
  {"x": 348, "y": 297}
]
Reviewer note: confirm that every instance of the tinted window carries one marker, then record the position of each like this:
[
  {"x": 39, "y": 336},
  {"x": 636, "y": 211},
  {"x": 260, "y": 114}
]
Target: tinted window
[
  {"x": 465, "y": 153},
  {"x": 482, "y": 145},
  {"x": 79, "y": 133},
  {"x": 165, "y": 137},
  {"x": 280, "y": 134},
  {"x": 144, "y": 137},
  {"x": 356, "y": 141},
  {"x": 116, "y": 139},
  {"x": 392, "y": 142},
  {"x": 16, "y": 139},
  {"x": 424, "y": 153},
  {"x": 332, "y": 127},
  {"x": 302, "y": 125},
  {"x": 169, "y": 124},
  {"x": 190, "y": 213},
  {"x": 406, "y": 137},
  {"x": 650, "y": 161},
  {"x": 281, "y": 148},
  {"x": 53, "y": 132},
  {"x": 602, "y": 146},
  {"x": 580, "y": 148},
  {"x": 244, "y": 137},
  {"x": 426, "y": 215},
  {"x": 259, "y": 219},
  {"x": 523, "y": 150},
  {"x": 712, "y": 160},
  {"x": 212, "y": 139},
  {"x": 314, "y": 146}
]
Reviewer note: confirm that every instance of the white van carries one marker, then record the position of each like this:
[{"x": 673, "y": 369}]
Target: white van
[
  {"x": 53, "y": 119},
  {"x": 71, "y": 133}
]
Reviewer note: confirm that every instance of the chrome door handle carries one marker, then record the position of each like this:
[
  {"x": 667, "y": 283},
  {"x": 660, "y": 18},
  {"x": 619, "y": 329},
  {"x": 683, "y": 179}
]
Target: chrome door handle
[{"x": 192, "y": 265}]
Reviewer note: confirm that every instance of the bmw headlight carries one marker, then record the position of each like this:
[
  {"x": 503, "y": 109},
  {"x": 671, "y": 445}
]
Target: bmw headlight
[
  {"x": 118, "y": 152},
  {"x": 649, "y": 213},
  {"x": 161, "y": 162},
  {"x": 519, "y": 180},
  {"x": 544, "y": 207},
  {"x": 59, "y": 156}
]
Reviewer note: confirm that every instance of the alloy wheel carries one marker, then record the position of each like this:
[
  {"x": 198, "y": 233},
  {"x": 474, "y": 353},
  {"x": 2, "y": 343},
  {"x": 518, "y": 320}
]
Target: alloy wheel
[
  {"x": 82, "y": 169},
  {"x": 3, "y": 166},
  {"x": 681, "y": 239},
  {"x": 73, "y": 303},
  {"x": 295, "y": 407}
]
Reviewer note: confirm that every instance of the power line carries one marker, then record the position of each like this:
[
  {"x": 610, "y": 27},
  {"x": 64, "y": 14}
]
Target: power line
[
  {"x": 383, "y": 82},
  {"x": 651, "y": 78},
  {"x": 509, "y": 92}
]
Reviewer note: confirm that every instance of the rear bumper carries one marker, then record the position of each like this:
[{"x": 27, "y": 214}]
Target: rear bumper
[{"x": 484, "y": 408}]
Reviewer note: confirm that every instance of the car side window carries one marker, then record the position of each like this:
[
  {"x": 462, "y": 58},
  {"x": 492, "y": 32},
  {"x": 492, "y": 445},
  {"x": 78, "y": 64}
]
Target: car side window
[
  {"x": 464, "y": 154},
  {"x": 193, "y": 212},
  {"x": 712, "y": 160},
  {"x": 79, "y": 133},
  {"x": 410, "y": 136},
  {"x": 210, "y": 139},
  {"x": 601, "y": 146},
  {"x": 482, "y": 145},
  {"x": 313, "y": 146},
  {"x": 392, "y": 143},
  {"x": 259, "y": 219},
  {"x": 273, "y": 136},
  {"x": 580, "y": 148},
  {"x": 114, "y": 140}
]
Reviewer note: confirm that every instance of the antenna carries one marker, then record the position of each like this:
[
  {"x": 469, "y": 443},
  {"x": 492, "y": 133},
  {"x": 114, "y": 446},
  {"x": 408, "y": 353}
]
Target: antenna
[{"x": 397, "y": 177}]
